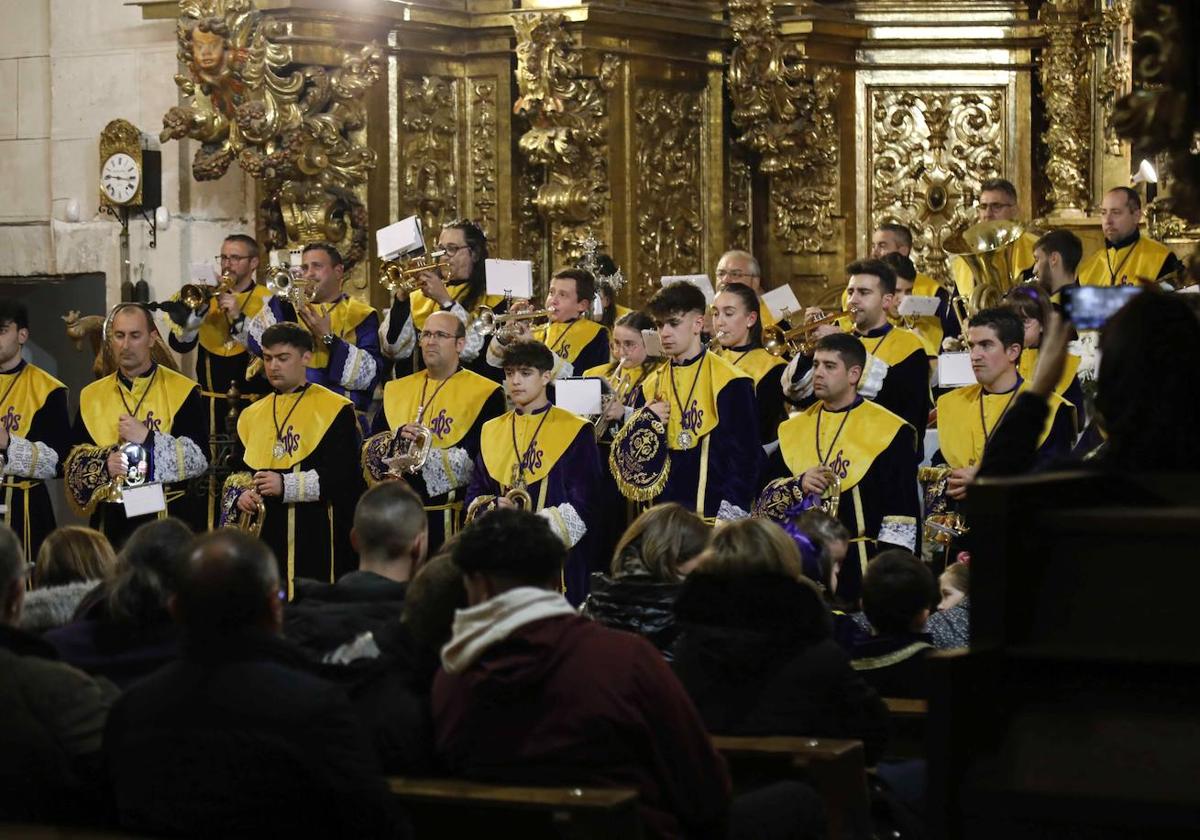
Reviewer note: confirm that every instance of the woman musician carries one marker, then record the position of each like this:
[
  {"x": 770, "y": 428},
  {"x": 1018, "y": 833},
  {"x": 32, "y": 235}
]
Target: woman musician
[
  {"x": 624, "y": 375},
  {"x": 738, "y": 338},
  {"x": 461, "y": 292}
]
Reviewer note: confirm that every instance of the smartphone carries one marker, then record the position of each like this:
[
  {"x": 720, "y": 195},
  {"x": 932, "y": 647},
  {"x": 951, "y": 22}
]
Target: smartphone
[{"x": 1089, "y": 307}]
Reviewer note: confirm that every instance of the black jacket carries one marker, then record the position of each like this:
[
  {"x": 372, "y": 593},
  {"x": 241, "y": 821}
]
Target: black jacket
[
  {"x": 756, "y": 655},
  {"x": 235, "y": 739},
  {"x": 637, "y": 604},
  {"x": 323, "y": 616},
  {"x": 897, "y": 666}
]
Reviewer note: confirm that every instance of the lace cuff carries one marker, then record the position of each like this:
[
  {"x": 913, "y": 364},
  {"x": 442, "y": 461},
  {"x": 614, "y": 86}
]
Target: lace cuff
[
  {"x": 729, "y": 512},
  {"x": 177, "y": 458},
  {"x": 446, "y": 469},
  {"x": 30, "y": 459},
  {"x": 566, "y": 523},
  {"x": 562, "y": 368},
  {"x": 359, "y": 370},
  {"x": 899, "y": 530},
  {"x": 872, "y": 378},
  {"x": 257, "y": 325},
  {"x": 495, "y": 354},
  {"x": 475, "y": 339},
  {"x": 796, "y": 390},
  {"x": 404, "y": 344},
  {"x": 301, "y": 487}
]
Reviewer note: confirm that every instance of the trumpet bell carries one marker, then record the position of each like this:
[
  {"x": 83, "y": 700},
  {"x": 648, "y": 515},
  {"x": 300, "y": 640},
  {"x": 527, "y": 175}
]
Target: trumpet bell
[{"x": 409, "y": 454}]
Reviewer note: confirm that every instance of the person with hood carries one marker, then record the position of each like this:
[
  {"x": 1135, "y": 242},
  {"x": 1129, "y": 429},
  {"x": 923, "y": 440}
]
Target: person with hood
[
  {"x": 756, "y": 652},
  {"x": 532, "y": 693}
]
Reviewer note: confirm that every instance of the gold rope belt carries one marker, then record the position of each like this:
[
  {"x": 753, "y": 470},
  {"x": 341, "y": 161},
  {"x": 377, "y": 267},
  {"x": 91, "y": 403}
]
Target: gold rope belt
[{"x": 214, "y": 395}]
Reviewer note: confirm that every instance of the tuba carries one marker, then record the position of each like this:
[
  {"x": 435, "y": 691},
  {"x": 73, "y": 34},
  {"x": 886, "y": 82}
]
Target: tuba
[
  {"x": 779, "y": 342},
  {"x": 989, "y": 251}
]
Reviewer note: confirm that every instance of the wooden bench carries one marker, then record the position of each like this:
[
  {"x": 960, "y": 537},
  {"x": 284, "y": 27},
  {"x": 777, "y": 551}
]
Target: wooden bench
[
  {"x": 834, "y": 768},
  {"x": 458, "y": 808},
  {"x": 908, "y": 716}
]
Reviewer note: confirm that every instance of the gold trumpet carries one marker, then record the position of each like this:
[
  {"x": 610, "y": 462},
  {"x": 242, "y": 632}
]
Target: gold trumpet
[
  {"x": 504, "y": 326},
  {"x": 516, "y": 494},
  {"x": 404, "y": 275},
  {"x": 829, "y": 499},
  {"x": 942, "y": 526},
  {"x": 252, "y": 523},
  {"x": 778, "y": 341},
  {"x": 195, "y": 295}
]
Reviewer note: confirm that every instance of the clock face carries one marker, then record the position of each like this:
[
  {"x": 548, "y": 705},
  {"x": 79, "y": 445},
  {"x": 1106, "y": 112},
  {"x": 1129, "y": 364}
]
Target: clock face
[{"x": 119, "y": 178}]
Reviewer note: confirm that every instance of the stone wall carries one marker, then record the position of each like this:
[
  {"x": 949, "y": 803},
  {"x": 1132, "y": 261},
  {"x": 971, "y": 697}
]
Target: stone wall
[{"x": 67, "y": 67}]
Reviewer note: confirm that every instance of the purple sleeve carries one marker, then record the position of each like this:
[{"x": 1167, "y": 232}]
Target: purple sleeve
[{"x": 366, "y": 336}]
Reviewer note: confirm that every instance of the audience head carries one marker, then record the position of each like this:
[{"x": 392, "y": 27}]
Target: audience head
[
  {"x": 1149, "y": 351},
  {"x": 751, "y": 547},
  {"x": 1120, "y": 213},
  {"x": 997, "y": 201},
  {"x": 72, "y": 554},
  {"x": 995, "y": 337},
  {"x": 391, "y": 531},
  {"x": 433, "y": 596},
  {"x": 506, "y": 549},
  {"x": 831, "y": 541},
  {"x": 229, "y": 585},
  {"x": 954, "y": 585},
  {"x": 13, "y": 571},
  {"x": 664, "y": 542},
  {"x": 897, "y": 592},
  {"x": 149, "y": 569}
]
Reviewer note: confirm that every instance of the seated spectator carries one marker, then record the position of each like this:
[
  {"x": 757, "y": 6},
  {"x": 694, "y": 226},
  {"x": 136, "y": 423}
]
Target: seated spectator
[
  {"x": 533, "y": 693},
  {"x": 898, "y": 591},
  {"x": 51, "y": 715},
  {"x": 70, "y": 563},
  {"x": 123, "y": 630},
  {"x": 235, "y": 738},
  {"x": 390, "y": 534},
  {"x": 824, "y": 542},
  {"x": 649, "y": 563},
  {"x": 950, "y": 626},
  {"x": 755, "y": 651},
  {"x": 1148, "y": 349}
]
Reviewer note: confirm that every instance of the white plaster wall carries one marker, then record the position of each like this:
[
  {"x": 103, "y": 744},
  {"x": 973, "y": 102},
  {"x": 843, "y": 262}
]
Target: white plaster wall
[{"x": 68, "y": 67}]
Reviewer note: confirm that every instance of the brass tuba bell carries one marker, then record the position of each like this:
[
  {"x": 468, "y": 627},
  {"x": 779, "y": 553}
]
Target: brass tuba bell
[{"x": 989, "y": 251}]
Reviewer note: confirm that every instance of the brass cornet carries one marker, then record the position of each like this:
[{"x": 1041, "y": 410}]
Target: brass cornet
[
  {"x": 409, "y": 456},
  {"x": 252, "y": 523},
  {"x": 778, "y": 341},
  {"x": 488, "y": 322},
  {"x": 296, "y": 290},
  {"x": 404, "y": 275},
  {"x": 195, "y": 295}
]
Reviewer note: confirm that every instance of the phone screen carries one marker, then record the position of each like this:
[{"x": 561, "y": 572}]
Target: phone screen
[{"x": 1089, "y": 307}]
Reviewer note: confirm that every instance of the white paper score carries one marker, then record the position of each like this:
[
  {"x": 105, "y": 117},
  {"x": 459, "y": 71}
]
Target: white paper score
[
  {"x": 147, "y": 498},
  {"x": 510, "y": 278},
  {"x": 204, "y": 274},
  {"x": 781, "y": 299},
  {"x": 954, "y": 370},
  {"x": 700, "y": 281},
  {"x": 580, "y": 396},
  {"x": 402, "y": 237},
  {"x": 919, "y": 305}
]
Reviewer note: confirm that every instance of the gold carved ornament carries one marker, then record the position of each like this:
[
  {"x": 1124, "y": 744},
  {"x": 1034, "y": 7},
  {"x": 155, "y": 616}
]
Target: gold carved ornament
[
  {"x": 568, "y": 135},
  {"x": 787, "y": 112},
  {"x": 1065, "y": 75},
  {"x": 293, "y": 127},
  {"x": 930, "y": 152},
  {"x": 1161, "y": 115},
  {"x": 428, "y": 145},
  {"x": 667, "y": 148}
]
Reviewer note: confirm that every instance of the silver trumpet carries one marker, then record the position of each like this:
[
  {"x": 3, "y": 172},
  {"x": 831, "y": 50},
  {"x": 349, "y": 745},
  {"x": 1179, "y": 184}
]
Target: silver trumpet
[
  {"x": 137, "y": 468},
  {"x": 409, "y": 455},
  {"x": 287, "y": 283}
]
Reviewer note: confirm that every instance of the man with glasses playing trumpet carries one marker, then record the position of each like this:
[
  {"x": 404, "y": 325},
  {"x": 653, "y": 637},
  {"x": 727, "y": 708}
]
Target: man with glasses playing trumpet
[
  {"x": 458, "y": 286},
  {"x": 427, "y": 432},
  {"x": 345, "y": 356},
  {"x": 146, "y": 404},
  {"x": 850, "y": 456},
  {"x": 541, "y": 458},
  {"x": 299, "y": 447},
  {"x": 896, "y": 375}
]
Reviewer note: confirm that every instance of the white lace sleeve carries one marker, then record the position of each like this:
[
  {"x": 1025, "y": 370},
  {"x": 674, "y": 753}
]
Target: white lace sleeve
[
  {"x": 475, "y": 339},
  {"x": 446, "y": 469},
  {"x": 301, "y": 487},
  {"x": 177, "y": 458},
  {"x": 405, "y": 342},
  {"x": 566, "y": 522},
  {"x": 257, "y": 325},
  {"x": 796, "y": 391},
  {"x": 872, "y": 379},
  {"x": 729, "y": 512},
  {"x": 562, "y": 368},
  {"x": 495, "y": 354},
  {"x": 899, "y": 530},
  {"x": 359, "y": 370},
  {"x": 30, "y": 459}
]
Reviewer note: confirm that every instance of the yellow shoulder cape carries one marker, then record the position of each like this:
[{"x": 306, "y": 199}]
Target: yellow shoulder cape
[
  {"x": 1136, "y": 264},
  {"x": 214, "y": 329},
  {"x": 301, "y": 434},
  {"x": 1022, "y": 259},
  {"x": 757, "y": 362},
  {"x": 101, "y": 404},
  {"x": 894, "y": 346},
  {"x": 30, "y": 389},
  {"x": 961, "y": 434},
  {"x": 1028, "y": 363},
  {"x": 569, "y": 339},
  {"x": 699, "y": 417},
  {"x": 538, "y": 456},
  {"x": 850, "y": 450},
  {"x": 344, "y": 317},
  {"x": 449, "y": 415}
]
